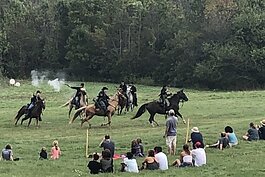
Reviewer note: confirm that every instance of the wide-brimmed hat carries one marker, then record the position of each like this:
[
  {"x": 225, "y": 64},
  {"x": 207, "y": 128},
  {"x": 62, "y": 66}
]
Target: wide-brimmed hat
[
  {"x": 105, "y": 88},
  {"x": 195, "y": 129},
  {"x": 263, "y": 122},
  {"x": 38, "y": 91}
]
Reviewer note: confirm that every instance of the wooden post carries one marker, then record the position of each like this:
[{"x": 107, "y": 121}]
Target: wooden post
[
  {"x": 187, "y": 131},
  {"x": 87, "y": 141}
]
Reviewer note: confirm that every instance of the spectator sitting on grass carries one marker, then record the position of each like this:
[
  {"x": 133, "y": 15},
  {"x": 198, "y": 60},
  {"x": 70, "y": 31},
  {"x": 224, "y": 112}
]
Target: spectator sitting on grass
[
  {"x": 185, "y": 159},
  {"x": 107, "y": 143},
  {"x": 221, "y": 143},
  {"x": 136, "y": 149},
  {"x": 252, "y": 133},
  {"x": 150, "y": 162},
  {"x": 55, "y": 151},
  {"x": 195, "y": 137},
  {"x": 7, "y": 153},
  {"x": 198, "y": 155},
  {"x": 43, "y": 154},
  {"x": 262, "y": 130},
  {"x": 230, "y": 134},
  {"x": 139, "y": 141},
  {"x": 94, "y": 166},
  {"x": 161, "y": 158},
  {"x": 129, "y": 164},
  {"x": 106, "y": 161}
]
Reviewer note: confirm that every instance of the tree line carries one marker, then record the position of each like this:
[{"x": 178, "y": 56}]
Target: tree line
[{"x": 185, "y": 43}]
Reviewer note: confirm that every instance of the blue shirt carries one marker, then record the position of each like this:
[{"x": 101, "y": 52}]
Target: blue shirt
[{"x": 232, "y": 138}]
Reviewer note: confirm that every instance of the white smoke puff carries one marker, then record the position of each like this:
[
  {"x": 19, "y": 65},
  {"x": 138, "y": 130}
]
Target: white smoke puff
[
  {"x": 17, "y": 84},
  {"x": 34, "y": 78},
  {"x": 12, "y": 81},
  {"x": 56, "y": 84}
]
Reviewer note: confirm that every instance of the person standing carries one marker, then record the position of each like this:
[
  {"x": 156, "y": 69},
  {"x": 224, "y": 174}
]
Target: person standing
[
  {"x": 171, "y": 132},
  {"x": 106, "y": 143},
  {"x": 161, "y": 158}
]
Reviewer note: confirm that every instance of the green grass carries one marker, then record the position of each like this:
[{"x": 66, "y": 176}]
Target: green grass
[{"x": 210, "y": 111}]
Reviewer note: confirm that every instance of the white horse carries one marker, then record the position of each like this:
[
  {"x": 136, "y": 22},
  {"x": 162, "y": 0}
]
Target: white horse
[{"x": 130, "y": 105}]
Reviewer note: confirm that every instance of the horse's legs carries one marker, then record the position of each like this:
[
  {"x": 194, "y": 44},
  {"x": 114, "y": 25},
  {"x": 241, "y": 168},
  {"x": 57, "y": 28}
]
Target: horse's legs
[
  {"x": 29, "y": 121},
  {"x": 25, "y": 118},
  {"x": 87, "y": 120},
  {"x": 109, "y": 120},
  {"x": 70, "y": 110},
  {"x": 177, "y": 113}
]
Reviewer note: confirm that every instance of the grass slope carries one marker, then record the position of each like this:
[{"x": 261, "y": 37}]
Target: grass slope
[{"x": 210, "y": 111}]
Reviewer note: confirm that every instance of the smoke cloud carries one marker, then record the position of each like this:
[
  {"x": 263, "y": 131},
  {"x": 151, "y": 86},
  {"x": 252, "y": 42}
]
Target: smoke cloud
[
  {"x": 56, "y": 84},
  {"x": 38, "y": 78}
]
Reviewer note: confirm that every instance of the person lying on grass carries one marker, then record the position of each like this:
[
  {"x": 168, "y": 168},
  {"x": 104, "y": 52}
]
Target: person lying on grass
[{"x": 221, "y": 143}]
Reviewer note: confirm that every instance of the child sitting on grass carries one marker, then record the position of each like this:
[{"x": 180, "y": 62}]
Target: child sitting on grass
[
  {"x": 94, "y": 166},
  {"x": 43, "y": 153},
  {"x": 55, "y": 151}
]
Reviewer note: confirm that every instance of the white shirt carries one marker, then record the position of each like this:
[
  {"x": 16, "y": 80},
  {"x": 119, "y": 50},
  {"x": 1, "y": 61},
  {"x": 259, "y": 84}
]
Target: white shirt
[
  {"x": 131, "y": 165},
  {"x": 199, "y": 156},
  {"x": 162, "y": 160}
]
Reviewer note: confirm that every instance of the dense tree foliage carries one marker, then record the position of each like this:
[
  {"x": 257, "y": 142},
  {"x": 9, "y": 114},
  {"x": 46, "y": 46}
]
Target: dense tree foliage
[{"x": 195, "y": 43}]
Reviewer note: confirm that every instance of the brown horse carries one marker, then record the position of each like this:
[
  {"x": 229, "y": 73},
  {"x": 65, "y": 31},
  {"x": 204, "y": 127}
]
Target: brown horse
[
  {"x": 91, "y": 111},
  {"x": 35, "y": 113},
  {"x": 122, "y": 102},
  {"x": 72, "y": 104}
]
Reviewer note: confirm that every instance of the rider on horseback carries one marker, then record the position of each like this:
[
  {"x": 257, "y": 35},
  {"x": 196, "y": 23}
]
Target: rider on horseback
[
  {"x": 123, "y": 87},
  {"x": 103, "y": 99},
  {"x": 163, "y": 96},
  {"x": 33, "y": 101},
  {"x": 79, "y": 90},
  {"x": 133, "y": 90}
]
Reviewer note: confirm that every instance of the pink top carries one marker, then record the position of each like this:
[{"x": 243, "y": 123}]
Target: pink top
[{"x": 55, "y": 154}]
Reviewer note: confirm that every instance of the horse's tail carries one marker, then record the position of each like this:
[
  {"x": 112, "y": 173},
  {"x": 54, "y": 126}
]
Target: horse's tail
[
  {"x": 20, "y": 112},
  {"x": 77, "y": 113},
  {"x": 140, "y": 111},
  {"x": 66, "y": 104}
]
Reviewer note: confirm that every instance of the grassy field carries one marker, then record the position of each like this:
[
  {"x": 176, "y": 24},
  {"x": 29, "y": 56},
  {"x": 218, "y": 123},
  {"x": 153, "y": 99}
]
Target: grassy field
[{"x": 210, "y": 111}]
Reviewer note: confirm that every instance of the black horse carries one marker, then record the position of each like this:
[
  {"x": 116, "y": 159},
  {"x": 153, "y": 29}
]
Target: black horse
[
  {"x": 35, "y": 113},
  {"x": 155, "y": 108}
]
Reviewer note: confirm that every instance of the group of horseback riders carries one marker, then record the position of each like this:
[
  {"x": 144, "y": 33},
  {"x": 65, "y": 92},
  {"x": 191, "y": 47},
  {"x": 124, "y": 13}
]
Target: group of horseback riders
[{"x": 102, "y": 100}]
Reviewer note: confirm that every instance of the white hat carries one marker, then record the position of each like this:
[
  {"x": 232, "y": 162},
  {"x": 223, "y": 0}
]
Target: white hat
[
  {"x": 171, "y": 111},
  {"x": 195, "y": 129},
  {"x": 263, "y": 122}
]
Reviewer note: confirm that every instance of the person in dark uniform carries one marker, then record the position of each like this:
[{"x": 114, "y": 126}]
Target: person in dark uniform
[
  {"x": 103, "y": 99},
  {"x": 163, "y": 96},
  {"x": 79, "y": 89},
  {"x": 133, "y": 91},
  {"x": 123, "y": 87},
  {"x": 33, "y": 101}
]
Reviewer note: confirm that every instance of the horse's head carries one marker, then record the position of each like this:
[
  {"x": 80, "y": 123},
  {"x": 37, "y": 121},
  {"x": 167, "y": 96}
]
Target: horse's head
[
  {"x": 180, "y": 95},
  {"x": 41, "y": 103}
]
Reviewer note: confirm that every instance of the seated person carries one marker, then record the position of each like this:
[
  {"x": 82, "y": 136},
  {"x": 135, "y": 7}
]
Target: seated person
[
  {"x": 262, "y": 130},
  {"x": 230, "y": 134},
  {"x": 252, "y": 133},
  {"x": 139, "y": 141},
  {"x": 94, "y": 166},
  {"x": 136, "y": 149},
  {"x": 43, "y": 154},
  {"x": 195, "y": 137},
  {"x": 7, "y": 153},
  {"x": 185, "y": 159},
  {"x": 106, "y": 161},
  {"x": 150, "y": 163},
  {"x": 161, "y": 158},
  {"x": 221, "y": 143},
  {"x": 129, "y": 164},
  {"x": 198, "y": 155}
]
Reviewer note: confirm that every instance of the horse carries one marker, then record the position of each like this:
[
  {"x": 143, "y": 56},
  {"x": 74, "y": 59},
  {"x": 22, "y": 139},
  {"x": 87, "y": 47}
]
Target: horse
[
  {"x": 121, "y": 103},
  {"x": 155, "y": 108},
  {"x": 35, "y": 113},
  {"x": 73, "y": 104},
  {"x": 131, "y": 102},
  {"x": 91, "y": 111}
]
